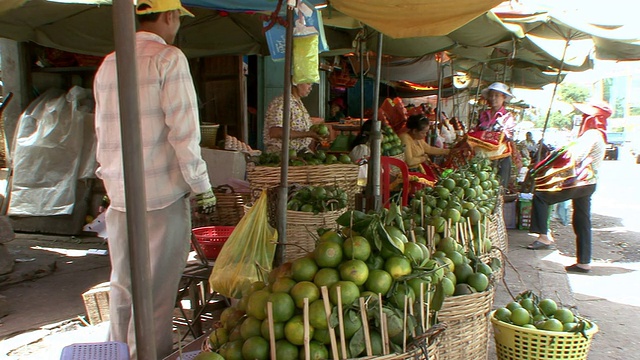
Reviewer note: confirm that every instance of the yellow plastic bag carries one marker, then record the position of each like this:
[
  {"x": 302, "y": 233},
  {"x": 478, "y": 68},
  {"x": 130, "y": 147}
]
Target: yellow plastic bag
[
  {"x": 305, "y": 59},
  {"x": 250, "y": 247}
]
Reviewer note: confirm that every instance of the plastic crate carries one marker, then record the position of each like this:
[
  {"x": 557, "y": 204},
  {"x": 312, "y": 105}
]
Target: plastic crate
[
  {"x": 111, "y": 350},
  {"x": 212, "y": 238},
  {"x": 519, "y": 343}
]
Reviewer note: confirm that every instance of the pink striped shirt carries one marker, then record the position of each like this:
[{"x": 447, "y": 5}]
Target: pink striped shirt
[{"x": 173, "y": 166}]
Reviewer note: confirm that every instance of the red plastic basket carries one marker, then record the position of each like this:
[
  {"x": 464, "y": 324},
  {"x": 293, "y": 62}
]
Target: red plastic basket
[{"x": 212, "y": 238}]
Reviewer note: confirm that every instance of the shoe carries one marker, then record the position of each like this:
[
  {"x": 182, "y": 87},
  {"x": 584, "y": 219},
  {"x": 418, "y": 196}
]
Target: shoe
[
  {"x": 576, "y": 269},
  {"x": 539, "y": 245}
]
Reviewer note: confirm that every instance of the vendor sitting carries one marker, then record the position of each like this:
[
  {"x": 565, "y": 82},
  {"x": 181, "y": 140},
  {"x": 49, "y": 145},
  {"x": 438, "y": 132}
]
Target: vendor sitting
[
  {"x": 302, "y": 138},
  {"x": 416, "y": 149}
]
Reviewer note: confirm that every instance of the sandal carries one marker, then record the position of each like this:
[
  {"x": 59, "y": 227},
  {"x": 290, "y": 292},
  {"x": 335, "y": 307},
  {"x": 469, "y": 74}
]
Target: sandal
[
  {"x": 576, "y": 269},
  {"x": 539, "y": 245}
]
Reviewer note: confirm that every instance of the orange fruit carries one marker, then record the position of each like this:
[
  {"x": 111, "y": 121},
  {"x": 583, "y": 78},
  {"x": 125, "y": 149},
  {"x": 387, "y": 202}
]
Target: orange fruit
[
  {"x": 317, "y": 315},
  {"x": 255, "y": 348},
  {"x": 250, "y": 327},
  {"x": 348, "y": 291},
  {"x": 397, "y": 266},
  {"x": 357, "y": 247},
  {"x": 379, "y": 282},
  {"x": 283, "y": 284},
  {"x": 302, "y": 290},
  {"x": 282, "y": 306},
  {"x": 328, "y": 254},
  {"x": 294, "y": 330},
  {"x": 333, "y": 236},
  {"x": 326, "y": 277},
  {"x": 257, "y": 304},
  {"x": 304, "y": 269},
  {"x": 354, "y": 270}
]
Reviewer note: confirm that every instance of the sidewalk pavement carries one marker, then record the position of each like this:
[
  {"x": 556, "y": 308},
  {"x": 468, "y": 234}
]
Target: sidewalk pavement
[
  {"x": 542, "y": 271},
  {"x": 524, "y": 270}
]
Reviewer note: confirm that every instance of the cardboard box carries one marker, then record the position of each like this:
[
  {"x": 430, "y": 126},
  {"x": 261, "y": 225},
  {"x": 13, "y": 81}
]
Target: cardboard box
[{"x": 96, "y": 302}]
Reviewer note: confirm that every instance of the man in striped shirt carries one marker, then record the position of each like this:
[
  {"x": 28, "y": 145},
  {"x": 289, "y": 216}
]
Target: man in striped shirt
[{"x": 173, "y": 168}]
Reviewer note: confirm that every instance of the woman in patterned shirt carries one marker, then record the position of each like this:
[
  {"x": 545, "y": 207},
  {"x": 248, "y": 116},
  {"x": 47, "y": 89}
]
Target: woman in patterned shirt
[
  {"x": 588, "y": 149},
  {"x": 301, "y": 137}
]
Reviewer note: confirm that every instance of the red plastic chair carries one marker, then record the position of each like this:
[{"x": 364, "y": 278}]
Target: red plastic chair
[{"x": 386, "y": 162}]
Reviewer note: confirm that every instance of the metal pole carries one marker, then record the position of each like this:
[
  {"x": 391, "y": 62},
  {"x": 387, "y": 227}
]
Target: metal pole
[
  {"x": 475, "y": 103},
  {"x": 133, "y": 165},
  {"x": 433, "y": 132},
  {"x": 286, "y": 132},
  {"x": 373, "y": 185},
  {"x": 361, "y": 55},
  {"x": 555, "y": 87}
]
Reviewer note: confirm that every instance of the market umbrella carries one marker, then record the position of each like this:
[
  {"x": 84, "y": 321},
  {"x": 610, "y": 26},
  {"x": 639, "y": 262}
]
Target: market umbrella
[{"x": 607, "y": 42}]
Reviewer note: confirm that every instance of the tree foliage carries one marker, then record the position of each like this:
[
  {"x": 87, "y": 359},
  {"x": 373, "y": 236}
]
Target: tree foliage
[
  {"x": 556, "y": 120},
  {"x": 573, "y": 93}
]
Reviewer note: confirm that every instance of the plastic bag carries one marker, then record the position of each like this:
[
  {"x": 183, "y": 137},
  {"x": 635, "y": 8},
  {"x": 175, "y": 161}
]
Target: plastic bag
[
  {"x": 305, "y": 59},
  {"x": 250, "y": 247}
]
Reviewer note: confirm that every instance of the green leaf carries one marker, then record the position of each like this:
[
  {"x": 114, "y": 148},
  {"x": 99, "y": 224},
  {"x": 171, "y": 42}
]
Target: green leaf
[
  {"x": 438, "y": 298},
  {"x": 333, "y": 319},
  {"x": 386, "y": 240},
  {"x": 357, "y": 344}
]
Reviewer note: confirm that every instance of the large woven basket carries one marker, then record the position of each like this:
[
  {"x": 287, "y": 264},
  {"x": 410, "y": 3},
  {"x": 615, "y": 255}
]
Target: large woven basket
[
  {"x": 301, "y": 231},
  {"x": 230, "y": 206},
  {"x": 467, "y": 334},
  {"x": 487, "y": 258},
  {"x": 426, "y": 347},
  {"x": 344, "y": 176}
]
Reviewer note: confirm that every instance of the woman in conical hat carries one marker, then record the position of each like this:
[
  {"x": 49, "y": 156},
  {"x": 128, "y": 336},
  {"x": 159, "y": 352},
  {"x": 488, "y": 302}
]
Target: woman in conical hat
[{"x": 587, "y": 152}]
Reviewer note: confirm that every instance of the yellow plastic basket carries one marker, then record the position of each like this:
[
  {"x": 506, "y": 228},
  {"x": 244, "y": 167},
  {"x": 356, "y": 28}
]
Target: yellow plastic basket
[{"x": 518, "y": 343}]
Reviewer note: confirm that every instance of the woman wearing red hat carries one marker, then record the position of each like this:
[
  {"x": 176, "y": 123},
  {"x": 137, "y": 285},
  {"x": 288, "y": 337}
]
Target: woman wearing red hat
[{"x": 582, "y": 160}]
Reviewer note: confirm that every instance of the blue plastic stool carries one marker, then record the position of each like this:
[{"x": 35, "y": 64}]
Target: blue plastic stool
[{"x": 111, "y": 350}]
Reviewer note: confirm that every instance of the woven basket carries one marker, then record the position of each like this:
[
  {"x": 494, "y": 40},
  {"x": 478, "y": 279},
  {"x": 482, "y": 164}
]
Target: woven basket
[
  {"x": 230, "y": 206},
  {"x": 467, "y": 334},
  {"x": 301, "y": 231},
  {"x": 497, "y": 230},
  {"x": 495, "y": 253},
  {"x": 208, "y": 135},
  {"x": 426, "y": 347},
  {"x": 344, "y": 176}
]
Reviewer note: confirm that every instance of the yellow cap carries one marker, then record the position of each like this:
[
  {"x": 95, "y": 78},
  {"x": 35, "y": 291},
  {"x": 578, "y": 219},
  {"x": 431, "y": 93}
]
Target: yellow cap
[{"x": 156, "y": 6}]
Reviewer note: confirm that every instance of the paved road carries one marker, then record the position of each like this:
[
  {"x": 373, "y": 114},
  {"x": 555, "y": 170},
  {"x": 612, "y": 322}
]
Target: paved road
[
  {"x": 610, "y": 294},
  {"x": 618, "y": 193}
]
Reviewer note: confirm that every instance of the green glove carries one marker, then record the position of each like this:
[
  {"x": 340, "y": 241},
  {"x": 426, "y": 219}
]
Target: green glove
[{"x": 206, "y": 202}]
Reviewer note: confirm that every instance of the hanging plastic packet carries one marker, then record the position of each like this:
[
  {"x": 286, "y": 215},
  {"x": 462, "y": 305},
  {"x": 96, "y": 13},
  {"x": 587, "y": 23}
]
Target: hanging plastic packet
[{"x": 250, "y": 247}]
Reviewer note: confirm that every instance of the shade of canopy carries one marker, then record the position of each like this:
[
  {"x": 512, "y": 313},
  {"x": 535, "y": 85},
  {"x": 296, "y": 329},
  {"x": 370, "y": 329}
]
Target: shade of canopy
[{"x": 609, "y": 42}]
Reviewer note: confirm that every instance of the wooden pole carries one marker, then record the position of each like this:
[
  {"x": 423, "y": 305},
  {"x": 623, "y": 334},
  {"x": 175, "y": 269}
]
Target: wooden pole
[
  {"x": 272, "y": 338},
  {"x": 332, "y": 333},
  {"x": 365, "y": 326}
]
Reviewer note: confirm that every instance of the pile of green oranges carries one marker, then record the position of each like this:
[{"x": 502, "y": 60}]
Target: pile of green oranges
[
  {"x": 531, "y": 312},
  {"x": 343, "y": 266}
]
